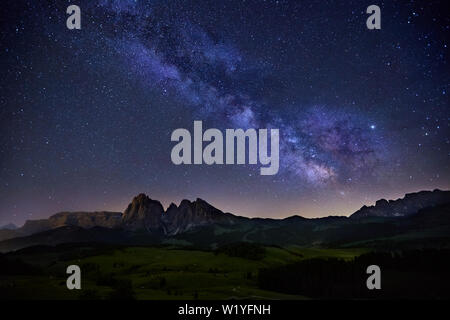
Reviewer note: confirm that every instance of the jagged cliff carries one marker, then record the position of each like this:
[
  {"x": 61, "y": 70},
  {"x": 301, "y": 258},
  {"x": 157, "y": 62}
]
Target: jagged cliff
[{"x": 148, "y": 214}]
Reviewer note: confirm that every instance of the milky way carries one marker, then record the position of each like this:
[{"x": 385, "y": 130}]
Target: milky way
[
  {"x": 87, "y": 114},
  {"x": 319, "y": 147}
]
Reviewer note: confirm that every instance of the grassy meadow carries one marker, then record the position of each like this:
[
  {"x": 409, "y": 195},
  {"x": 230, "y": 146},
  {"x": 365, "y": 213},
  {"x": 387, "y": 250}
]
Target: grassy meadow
[{"x": 153, "y": 272}]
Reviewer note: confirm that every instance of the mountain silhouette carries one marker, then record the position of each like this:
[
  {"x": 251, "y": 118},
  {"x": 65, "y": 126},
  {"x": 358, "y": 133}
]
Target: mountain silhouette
[
  {"x": 422, "y": 215},
  {"x": 144, "y": 213}
]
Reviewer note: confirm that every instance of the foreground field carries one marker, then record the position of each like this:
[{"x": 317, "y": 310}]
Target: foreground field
[{"x": 153, "y": 273}]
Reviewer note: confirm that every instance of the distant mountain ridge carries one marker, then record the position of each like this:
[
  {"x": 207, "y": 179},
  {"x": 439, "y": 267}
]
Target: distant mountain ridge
[
  {"x": 84, "y": 220},
  {"x": 410, "y": 204},
  {"x": 147, "y": 216},
  {"x": 79, "y": 219},
  {"x": 9, "y": 226}
]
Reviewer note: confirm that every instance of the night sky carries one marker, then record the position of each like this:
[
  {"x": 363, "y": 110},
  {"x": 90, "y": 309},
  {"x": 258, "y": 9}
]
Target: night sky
[{"x": 86, "y": 115}]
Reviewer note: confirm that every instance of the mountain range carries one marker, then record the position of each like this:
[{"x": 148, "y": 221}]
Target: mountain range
[{"x": 423, "y": 215}]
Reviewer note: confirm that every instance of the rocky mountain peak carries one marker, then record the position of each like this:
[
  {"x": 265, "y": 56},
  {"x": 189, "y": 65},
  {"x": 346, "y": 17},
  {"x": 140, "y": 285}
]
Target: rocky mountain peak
[
  {"x": 143, "y": 213},
  {"x": 172, "y": 206}
]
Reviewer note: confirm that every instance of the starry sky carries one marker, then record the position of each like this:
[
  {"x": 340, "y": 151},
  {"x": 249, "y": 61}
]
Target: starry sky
[{"x": 86, "y": 115}]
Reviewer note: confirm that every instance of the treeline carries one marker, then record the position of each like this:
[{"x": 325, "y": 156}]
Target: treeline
[
  {"x": 410, "y": 274},
  {"x": 17, "y": 267}
]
